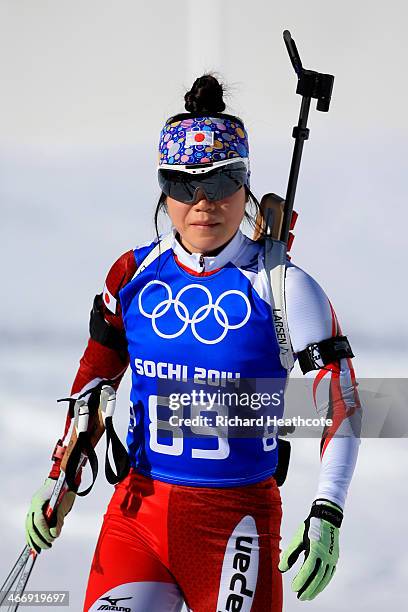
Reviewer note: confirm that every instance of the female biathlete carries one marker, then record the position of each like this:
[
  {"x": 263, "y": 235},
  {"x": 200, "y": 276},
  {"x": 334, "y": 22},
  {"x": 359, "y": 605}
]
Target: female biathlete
[{"x": 197, "y": 519}]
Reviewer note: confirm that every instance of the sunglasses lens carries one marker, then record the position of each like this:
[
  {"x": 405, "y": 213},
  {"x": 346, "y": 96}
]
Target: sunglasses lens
[{"x": 216, "y": 184}]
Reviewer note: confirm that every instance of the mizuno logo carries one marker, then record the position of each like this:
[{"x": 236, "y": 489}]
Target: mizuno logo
[
  {"x": 113, "y": 604},
  {"x": 114, "y": 601},
  {"x": 115, "y": 608}
]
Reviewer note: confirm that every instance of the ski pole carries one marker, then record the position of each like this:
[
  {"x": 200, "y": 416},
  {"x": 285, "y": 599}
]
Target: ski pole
[
  {"x": 24, "y": 565},
  {"x": 14, "y": 573},
  {"x": 22, "y": 569}
]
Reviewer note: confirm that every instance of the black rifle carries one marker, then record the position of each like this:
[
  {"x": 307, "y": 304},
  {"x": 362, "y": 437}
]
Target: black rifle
[{"x": 310, "y": 85}]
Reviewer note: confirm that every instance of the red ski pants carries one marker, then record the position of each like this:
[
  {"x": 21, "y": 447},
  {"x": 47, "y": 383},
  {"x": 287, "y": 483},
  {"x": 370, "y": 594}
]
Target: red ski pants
[{"x": 216, "y": 549}]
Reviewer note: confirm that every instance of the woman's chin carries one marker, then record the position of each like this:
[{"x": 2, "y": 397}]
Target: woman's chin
[{"x": 207, "y": 238}]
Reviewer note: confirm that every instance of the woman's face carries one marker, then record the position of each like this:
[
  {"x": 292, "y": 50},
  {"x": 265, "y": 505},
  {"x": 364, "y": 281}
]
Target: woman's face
[{"x": 205, "y": 225}]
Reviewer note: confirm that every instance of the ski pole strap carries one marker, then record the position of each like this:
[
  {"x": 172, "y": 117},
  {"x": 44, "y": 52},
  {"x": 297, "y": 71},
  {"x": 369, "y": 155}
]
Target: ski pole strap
[
  {"x": 119, "y": 454},
  {"x": 315, "y": 356},
  {"x": 333, "y": 515},
  {"x": 82, "y": 447}
]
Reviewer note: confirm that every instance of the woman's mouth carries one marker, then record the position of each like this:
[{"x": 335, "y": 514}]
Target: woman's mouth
[{"x": 204, "y": 224}]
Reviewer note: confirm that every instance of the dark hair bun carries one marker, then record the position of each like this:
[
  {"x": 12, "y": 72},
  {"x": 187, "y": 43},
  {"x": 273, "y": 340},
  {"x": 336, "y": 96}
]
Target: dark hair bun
[{"x": 205, "y": 96}]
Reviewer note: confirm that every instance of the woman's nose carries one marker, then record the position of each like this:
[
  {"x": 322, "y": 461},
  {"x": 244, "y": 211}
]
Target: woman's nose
[{"x": 202, "y": 202}]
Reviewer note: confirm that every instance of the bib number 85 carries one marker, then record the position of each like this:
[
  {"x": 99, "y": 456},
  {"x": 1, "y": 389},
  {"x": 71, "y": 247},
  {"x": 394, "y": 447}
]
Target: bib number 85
[
  {"x": 175, "y": 441},
  {"x": 175, "y": 435}
]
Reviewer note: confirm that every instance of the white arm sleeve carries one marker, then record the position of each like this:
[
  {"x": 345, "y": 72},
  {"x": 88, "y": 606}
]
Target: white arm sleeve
[{"x": 311, "y": 318}]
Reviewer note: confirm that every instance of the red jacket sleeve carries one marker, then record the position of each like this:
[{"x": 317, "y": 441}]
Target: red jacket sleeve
[{"x": 100, "y": 362}]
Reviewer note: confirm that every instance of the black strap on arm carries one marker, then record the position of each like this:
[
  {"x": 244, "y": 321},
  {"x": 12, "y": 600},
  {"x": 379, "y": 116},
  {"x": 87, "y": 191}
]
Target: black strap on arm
[
  {"x": 315, "y": 356},
  {"x": 104, "y": 333}
]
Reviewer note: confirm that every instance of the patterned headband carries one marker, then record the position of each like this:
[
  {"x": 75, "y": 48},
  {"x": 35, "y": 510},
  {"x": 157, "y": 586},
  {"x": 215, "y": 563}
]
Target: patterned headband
[{"x": 202, "y": 140}]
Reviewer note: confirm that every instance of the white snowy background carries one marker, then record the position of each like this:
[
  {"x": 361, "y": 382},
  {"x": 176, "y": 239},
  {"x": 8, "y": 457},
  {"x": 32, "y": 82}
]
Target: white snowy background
[{"x": 85, "y": 88}]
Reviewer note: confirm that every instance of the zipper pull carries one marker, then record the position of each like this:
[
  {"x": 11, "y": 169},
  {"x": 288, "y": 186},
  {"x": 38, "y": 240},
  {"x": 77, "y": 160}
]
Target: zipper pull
[{"x": 202, "y": 262}]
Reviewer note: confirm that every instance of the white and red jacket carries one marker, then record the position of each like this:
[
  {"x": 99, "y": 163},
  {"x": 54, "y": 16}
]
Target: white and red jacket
[{"x": 205, "y": 312}]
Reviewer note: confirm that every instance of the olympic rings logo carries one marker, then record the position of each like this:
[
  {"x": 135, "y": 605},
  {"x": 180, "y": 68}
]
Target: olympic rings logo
[{"x": 200, "y": 314}]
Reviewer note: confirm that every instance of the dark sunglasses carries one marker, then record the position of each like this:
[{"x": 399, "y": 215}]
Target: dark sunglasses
[{"x": 216, "y": 184}]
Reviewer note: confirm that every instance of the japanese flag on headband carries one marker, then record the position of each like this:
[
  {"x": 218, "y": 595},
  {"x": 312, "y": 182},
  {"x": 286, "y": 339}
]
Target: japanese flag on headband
[{"x": 204, "y": 138}]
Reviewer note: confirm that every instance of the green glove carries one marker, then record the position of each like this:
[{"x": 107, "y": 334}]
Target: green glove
[
  {"x": 38, "y": 533},
  {"x": 318, "y": 538}
]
